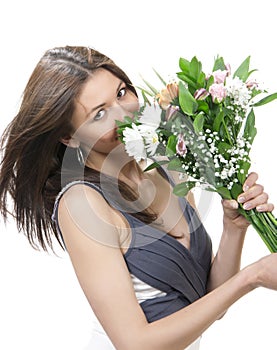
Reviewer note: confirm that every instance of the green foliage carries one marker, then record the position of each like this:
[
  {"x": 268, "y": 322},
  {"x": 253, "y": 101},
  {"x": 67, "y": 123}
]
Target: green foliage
[
  {"x": 266, "y": 100},
  {"x": 250, "y": 130},
  {"x": 198, "y": 122},
  {"x": 183, "y": 188},
  {"x": 217, "y": 131},
  {"x": 219, "y": 64},
  {"x": 242, "y": 71},
  {"x": 187, "y": 102}
]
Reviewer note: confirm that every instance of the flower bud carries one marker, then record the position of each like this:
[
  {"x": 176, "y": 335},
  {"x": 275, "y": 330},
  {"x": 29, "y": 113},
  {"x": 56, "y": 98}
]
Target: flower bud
[
  {"x": 173, "y": 90},
  {"x": 171, "y": 111},
  {"x": 181, "y": 147},
  {"x": 167, "y": 95},
  {"x": 252, "y": 84},
  {"x": 201, "y": 94}
]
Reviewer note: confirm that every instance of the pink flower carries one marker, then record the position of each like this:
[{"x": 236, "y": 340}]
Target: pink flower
[
  {"x": 201, "y": 94},
  {"x": 220, "y": 76},
  {"x": 228, "y": 68},
  {"x": 218, "y": 92},
  {"x": 181, "y": 148},
  {"x": 171, "y": 111}
]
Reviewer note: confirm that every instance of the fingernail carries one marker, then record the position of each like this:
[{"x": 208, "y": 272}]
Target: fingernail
[
  {"x": 259, "y": 207},
  {"x": 246, "y": 206},
  {"x": 245, "y": 187},
  {"x": 241, "y": 199}
]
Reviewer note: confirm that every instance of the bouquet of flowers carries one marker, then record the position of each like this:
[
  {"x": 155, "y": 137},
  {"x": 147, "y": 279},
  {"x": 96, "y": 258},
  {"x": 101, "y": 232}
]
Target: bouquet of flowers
[{"x": 203, "y": 126}]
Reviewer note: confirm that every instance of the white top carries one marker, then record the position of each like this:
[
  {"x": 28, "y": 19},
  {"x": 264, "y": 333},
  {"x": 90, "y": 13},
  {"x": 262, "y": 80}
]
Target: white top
[{"x": 100, "y": 340}]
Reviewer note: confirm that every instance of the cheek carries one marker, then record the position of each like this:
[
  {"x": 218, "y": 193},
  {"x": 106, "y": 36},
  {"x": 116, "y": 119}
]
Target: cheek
[
  {"x": 133, "y": 105},
  {"x": 98, "y": 140},
  {"x": 106, "y": 137}
]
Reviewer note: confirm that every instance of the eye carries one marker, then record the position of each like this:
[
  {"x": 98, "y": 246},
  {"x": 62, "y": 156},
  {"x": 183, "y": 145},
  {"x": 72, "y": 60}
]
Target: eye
[
  {"x": 99, "y": 115},
  {"x": 122, "y": 92}
]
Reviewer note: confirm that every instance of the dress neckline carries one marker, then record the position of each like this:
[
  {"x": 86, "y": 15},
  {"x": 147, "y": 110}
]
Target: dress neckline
[{"x": 163, "y": 234}]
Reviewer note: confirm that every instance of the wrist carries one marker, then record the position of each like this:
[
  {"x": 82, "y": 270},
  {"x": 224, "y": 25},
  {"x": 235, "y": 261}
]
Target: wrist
[
  {"x": 251, "y": 276},
  {"x": 232, "y": 228}
]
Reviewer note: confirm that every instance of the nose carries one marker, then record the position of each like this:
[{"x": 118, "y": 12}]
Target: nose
[{"x": 121, "y": 110}]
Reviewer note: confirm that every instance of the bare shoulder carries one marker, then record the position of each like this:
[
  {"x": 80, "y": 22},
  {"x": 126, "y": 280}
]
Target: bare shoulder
[
  {"x": 92, "y": 241},
  {"x": 84, "y": 214}
]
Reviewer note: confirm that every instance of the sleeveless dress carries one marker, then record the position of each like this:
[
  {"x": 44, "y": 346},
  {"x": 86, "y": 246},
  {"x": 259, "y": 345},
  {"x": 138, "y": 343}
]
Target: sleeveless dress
[{"x": 166, "y": 275}]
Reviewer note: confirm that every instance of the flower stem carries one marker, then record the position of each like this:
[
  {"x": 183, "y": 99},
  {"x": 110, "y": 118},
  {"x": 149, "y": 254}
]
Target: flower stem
[
  {"x": 265, "y": 224},
  {"x": 227, "y": 132}
]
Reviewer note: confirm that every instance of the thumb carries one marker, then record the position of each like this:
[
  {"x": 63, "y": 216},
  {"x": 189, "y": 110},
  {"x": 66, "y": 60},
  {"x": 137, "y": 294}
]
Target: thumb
[
  {"x": 230, "y": 207},
  {"x": 229, "y": 204}
]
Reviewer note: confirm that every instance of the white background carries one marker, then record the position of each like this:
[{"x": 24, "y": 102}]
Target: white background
[{"x": 41, "y": 304}]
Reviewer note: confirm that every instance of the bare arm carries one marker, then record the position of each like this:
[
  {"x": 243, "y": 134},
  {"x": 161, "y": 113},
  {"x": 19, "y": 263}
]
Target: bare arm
[
  {"x": 227, "y": 261},
  {"x": 103, "y": 275}
]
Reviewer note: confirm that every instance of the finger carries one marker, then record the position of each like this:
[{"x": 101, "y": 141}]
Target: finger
[
  {"x": 257, "y": 201},
  {"x": 251, "y": 193},
  {"x": 265, "y": 207},
  {"x": 250, "y": 181},
  {"x": 230, "y": 204}
]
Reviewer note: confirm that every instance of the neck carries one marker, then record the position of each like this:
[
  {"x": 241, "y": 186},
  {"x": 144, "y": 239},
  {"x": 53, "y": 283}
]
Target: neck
[{"x": 117, "y": 164}]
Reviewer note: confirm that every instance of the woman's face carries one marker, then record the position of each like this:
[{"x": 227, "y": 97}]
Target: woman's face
[{"x": 103, "y": 100}]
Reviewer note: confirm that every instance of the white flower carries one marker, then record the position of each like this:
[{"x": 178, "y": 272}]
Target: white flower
[
  {"x": 151, "y": 116},
  {"x": 134, "y": 144},
  {"x": 238, "y": 91},
  {"x": 150, "y": 138}
]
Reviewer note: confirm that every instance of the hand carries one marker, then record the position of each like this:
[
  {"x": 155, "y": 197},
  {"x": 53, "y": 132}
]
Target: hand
[
  {"x": 252, "y": 197},
  {"x": 266, "y": 275}
]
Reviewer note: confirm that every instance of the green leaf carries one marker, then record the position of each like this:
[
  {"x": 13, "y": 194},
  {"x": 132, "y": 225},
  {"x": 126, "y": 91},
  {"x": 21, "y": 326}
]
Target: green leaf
[
  {"x": 150, "y": 86},
  {"x": 183, "y": 188},
  {"x": 242, "y": 71},
  {"x": 145, "y": 98},
  {"x": 203, "y": 106},
  {"x": 210, "y": 82},
  {"x": 266, "y": 99},
  {"x": 156, "y": 164},
  {"x": 224, "y": 192},
  {"x": 236, "y": 190},
  {"x": 244, "y": 166},
  {"x": 251, "y": 71},
  {"x": 187, "y": 79},
  {"x": 187, "y": 102},
  {"x": 184, "y": 65},
  {"x": 219, "y": 64},
  {"x": 195, "y": 68},
  {"x": 171, "y": 145},
  {"x": 150, "y": 93},
  {"x": 201, "y": 79},
  {"x": 250, "y": 130},
  {"x": 223, "y": 147},
  {"x": 176, "y": 165},
  {"x": 198, "y": 122},
  {"x": 160, "y": 77},
  {"x": 218, "y": 120},
  {"x": 127, "y": 121}
]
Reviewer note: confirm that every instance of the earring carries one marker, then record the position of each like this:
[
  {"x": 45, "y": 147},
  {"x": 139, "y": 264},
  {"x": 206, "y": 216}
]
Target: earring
[{"x": 80, "y": 156}]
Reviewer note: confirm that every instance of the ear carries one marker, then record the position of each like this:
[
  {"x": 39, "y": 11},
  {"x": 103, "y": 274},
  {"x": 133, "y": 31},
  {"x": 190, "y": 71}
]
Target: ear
[{"x": 70, "y": 142}]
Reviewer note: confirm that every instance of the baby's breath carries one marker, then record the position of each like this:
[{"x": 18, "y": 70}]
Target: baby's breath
[{"x": 205, "y": 131}]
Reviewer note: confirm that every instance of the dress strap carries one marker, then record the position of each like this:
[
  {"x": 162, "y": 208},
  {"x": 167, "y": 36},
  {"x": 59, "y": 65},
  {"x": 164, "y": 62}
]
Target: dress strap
[{"x": 54, "y": 216}]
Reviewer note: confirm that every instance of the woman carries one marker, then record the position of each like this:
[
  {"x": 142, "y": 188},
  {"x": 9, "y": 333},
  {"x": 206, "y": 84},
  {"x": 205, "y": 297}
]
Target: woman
[{"x": 142, "y": 256}]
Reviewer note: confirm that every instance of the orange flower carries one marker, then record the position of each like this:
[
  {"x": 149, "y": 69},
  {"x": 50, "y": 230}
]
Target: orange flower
[{"x": 167, "y": 95}]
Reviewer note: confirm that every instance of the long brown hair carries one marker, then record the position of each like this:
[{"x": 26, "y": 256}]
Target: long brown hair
[{"x": 32, "y": 152}]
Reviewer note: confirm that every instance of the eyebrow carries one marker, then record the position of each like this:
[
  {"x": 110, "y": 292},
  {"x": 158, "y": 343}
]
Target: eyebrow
[{"x": 103, "y": 104}]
